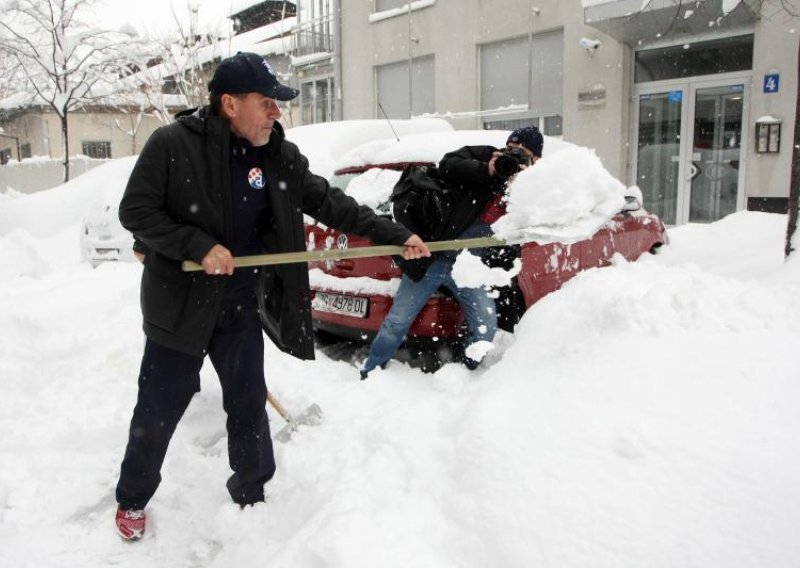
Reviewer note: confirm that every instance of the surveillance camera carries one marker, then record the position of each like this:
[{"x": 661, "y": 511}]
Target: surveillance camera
[{"x": 589, "y": 44}]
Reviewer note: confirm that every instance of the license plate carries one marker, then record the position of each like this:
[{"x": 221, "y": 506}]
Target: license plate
[{"x": 340, "y": 304}]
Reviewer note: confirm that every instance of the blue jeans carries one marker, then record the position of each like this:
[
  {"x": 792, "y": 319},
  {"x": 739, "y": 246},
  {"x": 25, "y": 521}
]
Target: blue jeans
[{"x": 479, "y": 310}]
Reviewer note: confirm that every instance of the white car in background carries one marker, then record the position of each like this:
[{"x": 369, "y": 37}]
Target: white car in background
[{"x": 104, "y": 239}]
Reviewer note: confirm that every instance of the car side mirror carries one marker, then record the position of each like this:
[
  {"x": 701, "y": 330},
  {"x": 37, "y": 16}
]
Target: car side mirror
[{"x": 631, "y": 204}]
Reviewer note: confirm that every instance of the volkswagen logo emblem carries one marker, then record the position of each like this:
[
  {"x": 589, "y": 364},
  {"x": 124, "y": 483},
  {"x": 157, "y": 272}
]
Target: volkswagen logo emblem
[{"x": 341, "y": 242}]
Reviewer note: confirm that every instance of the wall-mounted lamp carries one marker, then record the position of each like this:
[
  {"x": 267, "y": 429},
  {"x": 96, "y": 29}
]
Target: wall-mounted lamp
[{"x": 768, "y": 135}]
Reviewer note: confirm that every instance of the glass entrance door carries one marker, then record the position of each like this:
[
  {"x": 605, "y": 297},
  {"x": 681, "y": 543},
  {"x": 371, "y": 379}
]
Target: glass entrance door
[
  {"x": 658, "y": 152},
  {"x": 689, "y": 139},
  {"x": 716, "y": 149}
]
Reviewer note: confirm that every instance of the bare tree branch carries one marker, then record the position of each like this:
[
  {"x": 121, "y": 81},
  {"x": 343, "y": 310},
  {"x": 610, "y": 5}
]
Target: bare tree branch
[{"x": 81, "y": 64}]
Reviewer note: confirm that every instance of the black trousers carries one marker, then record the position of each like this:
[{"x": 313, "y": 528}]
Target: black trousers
[{"x": 167, "y": 381}]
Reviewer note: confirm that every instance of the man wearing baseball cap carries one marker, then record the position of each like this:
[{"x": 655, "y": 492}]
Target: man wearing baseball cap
[{"x": 221, "y": 182}]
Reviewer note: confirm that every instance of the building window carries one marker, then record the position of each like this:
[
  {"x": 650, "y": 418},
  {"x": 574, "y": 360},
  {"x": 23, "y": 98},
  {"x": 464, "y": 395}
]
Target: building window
[
  {"x": 316, "y": 100},
  {"x": 25, "y": 150},
  {"x": 315, "y": 28},
  {"x": 549, "y": 125},
  {"x": 506, "y": 82},
  {"x": 5, "y": 156},
  {"x": 96, "y": 149},
  {"x": 693, "y": 59},
  {"x": 400, "y": 99}
]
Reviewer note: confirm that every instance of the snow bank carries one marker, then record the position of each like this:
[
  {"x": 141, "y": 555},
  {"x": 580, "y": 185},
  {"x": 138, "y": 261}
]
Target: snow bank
[
  {"x": 48, "y": 212},
  {"x": 469, "y": 271},
  {"x": 643, "y": 415},
  {"x": 566, "y": 197}
]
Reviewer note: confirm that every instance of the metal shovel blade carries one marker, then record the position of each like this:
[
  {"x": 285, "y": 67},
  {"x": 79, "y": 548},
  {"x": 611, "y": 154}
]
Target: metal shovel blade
[{"x": 311, "y": 416}]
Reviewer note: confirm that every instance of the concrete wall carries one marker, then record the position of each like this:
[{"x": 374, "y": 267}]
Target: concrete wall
[
  {"x": 30, "y": 176},
  {"x": 454, "y": 31},
  {"x": 775, "y": 50},
  {"x": 42, "y": 130}
]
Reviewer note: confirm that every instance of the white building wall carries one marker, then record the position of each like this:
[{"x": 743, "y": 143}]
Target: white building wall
[
  {"x": 775, "y": 50},
  {"x": 453, "y": 31}
]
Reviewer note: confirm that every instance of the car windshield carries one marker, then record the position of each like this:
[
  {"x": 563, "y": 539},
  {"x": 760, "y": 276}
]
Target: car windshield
[
  {"x": 343, "y": 180},
  {"x": 372, "y": 187}
]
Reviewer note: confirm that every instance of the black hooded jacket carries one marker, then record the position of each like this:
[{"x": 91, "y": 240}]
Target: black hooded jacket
[
  {"x": 177, "y": 202},
  {"x": 467, "y": 171}
]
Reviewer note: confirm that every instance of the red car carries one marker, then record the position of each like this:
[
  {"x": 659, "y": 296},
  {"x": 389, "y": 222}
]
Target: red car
[{"x": 350, "y": 298}]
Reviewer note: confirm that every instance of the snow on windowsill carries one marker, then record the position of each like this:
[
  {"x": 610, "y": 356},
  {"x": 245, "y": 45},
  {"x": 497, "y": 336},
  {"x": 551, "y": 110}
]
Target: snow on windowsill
[
  {"x": 412, "y": 6},
  {"x": 311, "y": 58}
]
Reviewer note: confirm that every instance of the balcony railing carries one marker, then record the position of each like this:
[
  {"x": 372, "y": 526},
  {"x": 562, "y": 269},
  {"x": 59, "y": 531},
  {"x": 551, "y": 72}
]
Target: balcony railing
[{"x": 314, "y": 36}]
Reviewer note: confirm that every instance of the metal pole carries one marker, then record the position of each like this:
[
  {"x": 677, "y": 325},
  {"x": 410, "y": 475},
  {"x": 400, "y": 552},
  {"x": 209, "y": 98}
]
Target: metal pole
[
  {"x": 410, "y": 99},
  {"x": 530, "y": 57},
  {"x": 336, "y": 29}
]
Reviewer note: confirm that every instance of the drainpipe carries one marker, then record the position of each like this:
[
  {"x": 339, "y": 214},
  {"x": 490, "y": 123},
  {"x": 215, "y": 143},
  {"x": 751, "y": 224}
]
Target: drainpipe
[
  {"x": 336, "y": 26},
  {"x": 410, "y": 73}
]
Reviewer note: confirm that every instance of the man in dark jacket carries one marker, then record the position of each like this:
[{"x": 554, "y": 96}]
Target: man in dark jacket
[
  {"x": 223, "y": 182},
  {"x": 480, "y": 180}
]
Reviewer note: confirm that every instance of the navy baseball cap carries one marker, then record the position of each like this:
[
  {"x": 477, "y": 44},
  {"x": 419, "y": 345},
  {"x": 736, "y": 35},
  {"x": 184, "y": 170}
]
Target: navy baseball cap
[
  {"x": 530, "y": 137},
  {"x": 249, "y": 73}
]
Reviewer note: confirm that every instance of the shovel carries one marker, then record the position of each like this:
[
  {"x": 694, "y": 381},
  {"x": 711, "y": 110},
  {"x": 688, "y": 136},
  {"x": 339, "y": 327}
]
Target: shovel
[
  {"x": 311, "y": 416},
  {"x": 339, "y": 254}
]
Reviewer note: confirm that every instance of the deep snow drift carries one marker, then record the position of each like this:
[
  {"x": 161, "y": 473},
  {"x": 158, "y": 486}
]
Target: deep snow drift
[{"x": 644, "y": 415}]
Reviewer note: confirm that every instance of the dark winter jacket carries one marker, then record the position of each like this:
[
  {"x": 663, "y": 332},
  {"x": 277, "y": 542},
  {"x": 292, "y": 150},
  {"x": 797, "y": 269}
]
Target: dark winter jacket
[
  {"x": 178, "y": 204},
  {"x": 466, "y": 170}
]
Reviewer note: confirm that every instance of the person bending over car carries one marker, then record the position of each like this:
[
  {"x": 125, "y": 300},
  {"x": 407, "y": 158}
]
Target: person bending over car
[
  {"x": 222, "y": 181},
  {"x": 480, "y": 175}
]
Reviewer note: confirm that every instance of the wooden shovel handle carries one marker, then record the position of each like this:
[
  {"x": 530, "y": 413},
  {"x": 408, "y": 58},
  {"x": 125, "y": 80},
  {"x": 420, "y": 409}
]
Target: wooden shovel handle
[
  {"x": 277, "y": 406},
  {"x": 338, "y": 254}
]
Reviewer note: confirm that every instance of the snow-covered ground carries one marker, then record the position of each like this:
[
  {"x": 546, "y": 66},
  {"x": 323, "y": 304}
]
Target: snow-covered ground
[{"x": 644, "y": 415}]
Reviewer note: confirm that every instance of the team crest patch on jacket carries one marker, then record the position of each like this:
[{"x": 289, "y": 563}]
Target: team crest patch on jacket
[{"x": 256, "y": 178}]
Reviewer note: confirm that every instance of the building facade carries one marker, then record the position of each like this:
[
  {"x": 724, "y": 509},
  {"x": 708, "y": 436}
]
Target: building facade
[
  {"x": 119, "y": 128},
  {"x": 687, "y": 100},
  {"x": 315, "y": 60}
]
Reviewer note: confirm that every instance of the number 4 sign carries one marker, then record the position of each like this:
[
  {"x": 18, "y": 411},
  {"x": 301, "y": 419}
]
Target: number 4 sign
[{"x": 772, "y": 83}]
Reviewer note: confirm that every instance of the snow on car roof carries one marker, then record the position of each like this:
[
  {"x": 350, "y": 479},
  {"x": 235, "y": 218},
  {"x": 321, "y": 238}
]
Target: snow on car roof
[
  {"x": 324, "y": 143},
  {"x": 429, "y": 147}
]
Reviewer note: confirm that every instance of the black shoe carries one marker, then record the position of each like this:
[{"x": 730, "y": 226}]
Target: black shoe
[
  {"x": 471, "y": 364},
  {"x": 364, "y": 374}
]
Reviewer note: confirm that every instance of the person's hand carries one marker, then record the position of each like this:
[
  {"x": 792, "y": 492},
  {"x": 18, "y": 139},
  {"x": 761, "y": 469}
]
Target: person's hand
[
  {"x": 218, "y": 261},
  {"x": 139, "y": 256},
  {"x": 415, "y": 248},
  {"x": 496, "y": 154}
]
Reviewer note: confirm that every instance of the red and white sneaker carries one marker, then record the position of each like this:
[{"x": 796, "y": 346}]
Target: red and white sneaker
[{"x": 130, "y": 523}]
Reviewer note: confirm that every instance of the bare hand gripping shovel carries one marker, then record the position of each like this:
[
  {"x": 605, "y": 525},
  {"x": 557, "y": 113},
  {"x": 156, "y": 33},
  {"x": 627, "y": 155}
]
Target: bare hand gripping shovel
[
  {"x": 339, "y": 254},
  {"x": 311, "y": 416}
]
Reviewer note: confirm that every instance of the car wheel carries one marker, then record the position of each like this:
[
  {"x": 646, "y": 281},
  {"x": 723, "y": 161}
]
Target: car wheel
[{"x": 340, "y": 349}]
